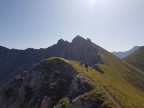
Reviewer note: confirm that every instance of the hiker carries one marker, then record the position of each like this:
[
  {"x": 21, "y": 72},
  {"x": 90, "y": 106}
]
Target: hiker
[
  {"x": 81, "y": 63},
  {"x": 86, "y": 66}
]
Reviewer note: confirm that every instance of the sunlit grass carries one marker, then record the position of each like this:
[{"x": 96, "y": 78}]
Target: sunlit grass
[
  {"x": 136, "y": 58},
  {"x": 115, "y": 81}
]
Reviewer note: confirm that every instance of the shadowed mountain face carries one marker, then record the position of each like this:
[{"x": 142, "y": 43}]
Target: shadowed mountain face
[
  {"x": 13, "y": 61},
  {"x": 126, "y": 53},
  {"x": 79, "y": 49},
  {"x": 136, "y": 58}
]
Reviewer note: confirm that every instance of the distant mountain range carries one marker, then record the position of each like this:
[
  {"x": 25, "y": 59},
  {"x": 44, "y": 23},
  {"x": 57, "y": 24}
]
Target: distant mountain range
[
  {"x": 125, "y": 53},
  {"x": 13, "y": 62},
  {"x": 54, "y": 77},
  {"x": 136, "y": 58}
]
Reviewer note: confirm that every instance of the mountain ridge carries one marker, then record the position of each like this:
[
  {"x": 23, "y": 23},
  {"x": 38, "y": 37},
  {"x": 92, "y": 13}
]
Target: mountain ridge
[
  {"x": 57, "y": 85},
  {"x": 123, "y": 54},
  {"x": 121, "y": 80}
]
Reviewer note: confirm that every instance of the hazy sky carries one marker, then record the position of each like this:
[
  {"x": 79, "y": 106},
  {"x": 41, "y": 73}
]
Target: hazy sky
[{"x": 115, "y": 25}]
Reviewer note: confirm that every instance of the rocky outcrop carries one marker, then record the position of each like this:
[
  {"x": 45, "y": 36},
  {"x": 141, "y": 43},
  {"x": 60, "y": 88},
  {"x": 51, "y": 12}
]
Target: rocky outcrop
[
  {"x": 77, "y": 103},
  {"x": 44, "y": 85}
]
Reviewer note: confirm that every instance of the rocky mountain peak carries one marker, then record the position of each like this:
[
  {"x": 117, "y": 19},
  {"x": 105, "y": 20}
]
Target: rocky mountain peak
[
  {"x": 78, "y": 39},
  {"x": 60, "y": 41},
  {"x": 63, "y": 43},
  {"x": 88, "y": 40}
]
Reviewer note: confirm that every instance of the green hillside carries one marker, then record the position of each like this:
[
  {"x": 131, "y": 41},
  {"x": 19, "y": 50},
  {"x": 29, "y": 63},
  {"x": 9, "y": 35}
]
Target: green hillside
[
  {"x": 136, "y": 58},
  {"x": 124, "y": 82},
  {"x": 98, "y": 94}
]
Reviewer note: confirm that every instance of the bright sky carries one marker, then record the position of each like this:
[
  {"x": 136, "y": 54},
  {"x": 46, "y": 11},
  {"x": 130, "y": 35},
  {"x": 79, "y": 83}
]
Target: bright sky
[{"x": 115, "y": 25}]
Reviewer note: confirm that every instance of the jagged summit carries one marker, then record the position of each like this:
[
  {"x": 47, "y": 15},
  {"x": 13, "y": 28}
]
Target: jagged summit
[
  {"x": 61, "y": 41},
  {"x": 79, "y": 49},
  {"x": 79, "y": 39}
]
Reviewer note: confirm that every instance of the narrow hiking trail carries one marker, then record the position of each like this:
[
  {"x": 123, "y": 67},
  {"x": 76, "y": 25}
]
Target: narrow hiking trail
[{"x": 113, "y": 100}]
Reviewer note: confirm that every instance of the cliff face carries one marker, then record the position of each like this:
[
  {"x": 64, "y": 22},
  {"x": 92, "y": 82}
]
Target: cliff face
[{"x": 51, "y": 83}]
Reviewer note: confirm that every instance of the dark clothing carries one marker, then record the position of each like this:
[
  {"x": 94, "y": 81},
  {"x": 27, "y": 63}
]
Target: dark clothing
[
  {"x": 86, "y": 66},
  {"x": 81, "y": 64}
]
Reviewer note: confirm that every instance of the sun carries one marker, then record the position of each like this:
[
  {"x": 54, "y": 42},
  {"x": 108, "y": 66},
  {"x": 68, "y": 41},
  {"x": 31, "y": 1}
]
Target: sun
[
  {"x": 99, "y": 1},
  {"x": 93, "y": 1}
]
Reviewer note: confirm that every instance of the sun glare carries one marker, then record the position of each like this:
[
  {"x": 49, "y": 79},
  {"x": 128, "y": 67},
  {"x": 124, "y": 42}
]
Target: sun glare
[
  {"x": 92, "y": 1},
  {"x": 99, "y": 1}
]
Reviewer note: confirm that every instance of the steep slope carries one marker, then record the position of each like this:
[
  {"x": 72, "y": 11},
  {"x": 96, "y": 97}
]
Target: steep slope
[
  {"x": 136, "y": 58},
  {"x": 125, "y": 53},
  {"x": 55, "y": 83},
  {"x": 124, "y": 82}
]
